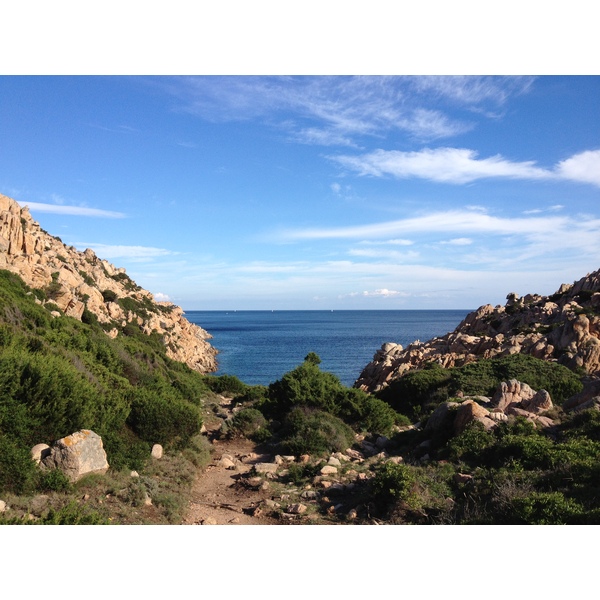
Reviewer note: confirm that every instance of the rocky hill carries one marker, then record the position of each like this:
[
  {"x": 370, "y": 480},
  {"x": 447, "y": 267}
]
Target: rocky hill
[
  {"x": 563, "y": 327},
  {"x": 83, "y": 286}
]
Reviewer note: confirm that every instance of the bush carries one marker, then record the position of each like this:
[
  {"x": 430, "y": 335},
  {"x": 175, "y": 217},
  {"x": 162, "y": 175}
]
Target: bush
[
  {"x": 18, "y": 473},
  {"x": 158, "y": 420},
  {"x": 248, "y": 422},
  {"x": 54, "y": 480},
  {"x": 545, "y": 508},
  {"x": 394, "y": 482},
  {"x": 307, "y": 385},
  {"x": 311, "y": 431},
  {"x": 109, "y": 296}
]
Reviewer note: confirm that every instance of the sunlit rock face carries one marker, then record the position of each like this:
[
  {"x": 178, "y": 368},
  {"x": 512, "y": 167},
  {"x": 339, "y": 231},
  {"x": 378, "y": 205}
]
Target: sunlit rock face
[
  {"x": 563, "y": 327},
  {"x": 76, "y": 282}
]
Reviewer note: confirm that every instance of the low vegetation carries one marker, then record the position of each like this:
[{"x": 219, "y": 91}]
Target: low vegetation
[{"x": 59, "y": 375}]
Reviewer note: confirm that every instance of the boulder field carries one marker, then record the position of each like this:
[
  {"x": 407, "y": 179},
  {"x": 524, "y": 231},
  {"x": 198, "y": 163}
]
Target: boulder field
[{"x": 563, "y": 327}]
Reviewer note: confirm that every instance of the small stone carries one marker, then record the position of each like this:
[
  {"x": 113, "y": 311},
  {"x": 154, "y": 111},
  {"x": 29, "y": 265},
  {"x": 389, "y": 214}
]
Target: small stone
[
  {"x": 297, "y": 509},
  {"x": 134, "y": 474},
  {"x": 2, "y": 506},
  {"x": 352, "y": 514},
  {"x": 226, "y": 463},
  {"x": 209, "y": 521},
  {"x": 157, "y": 451},
  {"x": 329, "y": 470},
  {"x": 265, "y": 467},
  {"x": 304, "y": 458},
  {"x": 40, "y": 451}
]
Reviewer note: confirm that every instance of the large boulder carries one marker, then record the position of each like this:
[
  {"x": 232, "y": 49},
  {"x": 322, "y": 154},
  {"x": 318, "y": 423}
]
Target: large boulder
[
  {"x": 470, "y": 411},
  {"x": 77, "y": 454},
  {"x": 511, "y": 392}
]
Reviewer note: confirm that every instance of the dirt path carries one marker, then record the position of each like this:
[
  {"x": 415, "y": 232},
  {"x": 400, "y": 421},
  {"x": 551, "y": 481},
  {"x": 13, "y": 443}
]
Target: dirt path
[{"x": 220, "y": 494}]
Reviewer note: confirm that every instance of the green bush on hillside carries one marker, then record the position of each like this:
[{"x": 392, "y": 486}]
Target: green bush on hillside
[
  {"x": 308, "y": 386},
  {"x": 417, "y": 393},
  {"x": 311, "y": 431}
]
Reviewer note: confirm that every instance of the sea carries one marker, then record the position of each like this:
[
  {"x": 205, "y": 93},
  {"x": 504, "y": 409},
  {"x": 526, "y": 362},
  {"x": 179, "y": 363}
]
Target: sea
[{"x": 260, "y": 346}]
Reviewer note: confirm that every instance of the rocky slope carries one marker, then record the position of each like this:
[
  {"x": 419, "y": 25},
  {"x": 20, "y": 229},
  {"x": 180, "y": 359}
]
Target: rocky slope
[
  {"x": 84, "y": 286},
  {"x": 563, "y": 327}
]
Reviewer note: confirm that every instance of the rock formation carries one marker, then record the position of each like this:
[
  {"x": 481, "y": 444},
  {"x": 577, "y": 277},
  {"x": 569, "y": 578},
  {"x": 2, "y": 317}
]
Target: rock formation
[
  {"x": 510, "y": 398},
  {"x": 563, "y": 327},
  {"x": 80, "y": 284},
  {"x": 76, "y": 455}
]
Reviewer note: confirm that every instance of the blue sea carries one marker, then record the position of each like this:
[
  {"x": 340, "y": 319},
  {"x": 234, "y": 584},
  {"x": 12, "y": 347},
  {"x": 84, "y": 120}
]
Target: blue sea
[{"x": 260, "y": 346}]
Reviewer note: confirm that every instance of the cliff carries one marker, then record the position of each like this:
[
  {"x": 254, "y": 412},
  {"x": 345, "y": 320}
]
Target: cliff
[
  {"x": 563, "y": 327},
  {"x": 83, "y": 286}
]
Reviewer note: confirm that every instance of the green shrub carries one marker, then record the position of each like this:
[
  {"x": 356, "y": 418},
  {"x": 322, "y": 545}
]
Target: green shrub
[
  {"x": 158, "y": 420},
  {"x": 225, "y": 384},
  {"x": 311, "y": 431},
  {"x": 109, "y": 296},
  {"x": 545, "y": 508},
  {"x": 72, "y": 514},
  {"x": 394, "y": 482},
  {"x": 248, "y": 423},
  {"x": 307, "y": 385},
  {"x": 54, "y": 480},
  {"x": 18, "y": 473},
  {"x": 471, "y": 443}
]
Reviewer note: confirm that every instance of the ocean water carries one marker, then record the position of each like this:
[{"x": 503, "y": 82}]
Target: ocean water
[{"x": 260, "y": 346}]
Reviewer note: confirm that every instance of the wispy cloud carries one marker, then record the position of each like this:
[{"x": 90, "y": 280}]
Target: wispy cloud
[
  {"x": 79, "y": 211},
  {"x": 334, "y": 111},
  {"x": 473, "y": 91},
  {"x": 463, "y": 241},
  {"x": 384, "y": 253},
  {"x": 462, "y": 165},
  {"x": 134, "y": 253},
  {"x": 382, "y": 293},
  {"x": 515, "y": 239}
]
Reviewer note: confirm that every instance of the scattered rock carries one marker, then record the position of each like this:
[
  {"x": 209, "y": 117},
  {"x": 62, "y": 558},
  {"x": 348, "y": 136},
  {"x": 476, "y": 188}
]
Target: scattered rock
[
  {"x": 265, "y": 467},
  {"x": 40, "y": 451},
  {"x": 77, "y": 454},
  {"x": 157, "y": 451},
  {"x": 328, "y": 470}
]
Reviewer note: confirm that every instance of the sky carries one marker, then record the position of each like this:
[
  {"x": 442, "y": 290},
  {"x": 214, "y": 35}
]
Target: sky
[
  {"x": 313, "y": 155},
  {"x": 314, "y": 192}
]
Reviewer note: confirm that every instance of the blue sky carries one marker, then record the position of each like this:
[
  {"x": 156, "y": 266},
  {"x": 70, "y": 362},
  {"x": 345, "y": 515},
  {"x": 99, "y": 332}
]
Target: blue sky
[{"x": 324, "y": 192}]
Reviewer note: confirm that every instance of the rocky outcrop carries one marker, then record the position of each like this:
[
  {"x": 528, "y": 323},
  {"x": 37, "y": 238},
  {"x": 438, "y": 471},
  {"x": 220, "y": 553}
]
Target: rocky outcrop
[
  {"x": 77, "y": 454},
  {"x": 80, "y": 284},
  {"x": 511, "y": 398},
  {"x": 563, "y": 327}
]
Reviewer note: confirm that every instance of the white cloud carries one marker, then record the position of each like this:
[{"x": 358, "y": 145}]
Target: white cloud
[
  {"x": 446, "y": 165},
  {"x": 336, "y": 188},
  {"x": 79, "y": 211},
  {"x": 382, "y": 293},
  {"x": 472, "y": 90},
  {"x": 584, "y": 167},
  {"x": 396, "y": 242},
  {"x": 436, "y": 222},
  {"x": 383, "y": 253},
  {"x": 461, "y": 165},
  {"x": 334, "y": 110},
  {"x": 160, "y": 297},
  {"x": 429, "y": 124},
  {"x": 463, "y": 241},
  {"x": 135, "y": 253}
]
